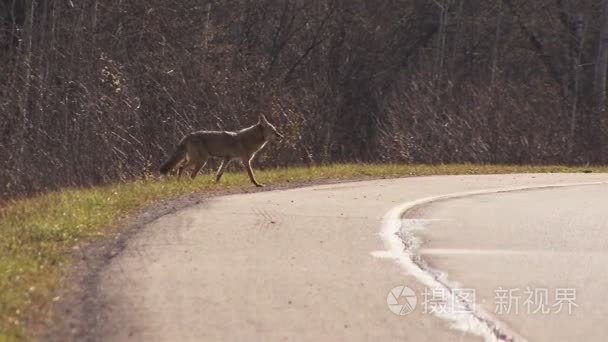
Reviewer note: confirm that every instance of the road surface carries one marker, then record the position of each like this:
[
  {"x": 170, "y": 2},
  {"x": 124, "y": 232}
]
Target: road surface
[{"x": 319, "y": 263}]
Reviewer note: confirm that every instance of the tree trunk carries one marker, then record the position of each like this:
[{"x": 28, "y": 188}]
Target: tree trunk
[
  {"x": 579, "y": 43},
  {"x": 496, "y": 42},
  {"x": 602, "y": 61}
]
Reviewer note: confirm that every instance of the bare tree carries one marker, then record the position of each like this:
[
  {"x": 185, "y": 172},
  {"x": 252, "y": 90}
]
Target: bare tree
[
  {"x": 97, "y": 91},
  {"x": 601, "y": 65}
]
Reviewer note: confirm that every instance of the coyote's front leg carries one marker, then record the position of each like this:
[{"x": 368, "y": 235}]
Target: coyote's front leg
[
  {"x": 250, "y": 172},
  {"x": 221, "y": 169}
]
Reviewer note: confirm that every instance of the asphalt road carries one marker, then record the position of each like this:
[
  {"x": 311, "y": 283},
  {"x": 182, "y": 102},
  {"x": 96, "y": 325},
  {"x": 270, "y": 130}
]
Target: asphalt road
[
  {"x": 537, "y": 259},
  {"x": 319, "y": 263}
]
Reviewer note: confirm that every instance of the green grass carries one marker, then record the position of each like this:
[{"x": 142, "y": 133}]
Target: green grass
[{"x": 37, "y": 234}]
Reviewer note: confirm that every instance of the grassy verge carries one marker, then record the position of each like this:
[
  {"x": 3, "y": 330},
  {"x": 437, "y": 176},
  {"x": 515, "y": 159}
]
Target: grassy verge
[{"x": 36, "y": 234}]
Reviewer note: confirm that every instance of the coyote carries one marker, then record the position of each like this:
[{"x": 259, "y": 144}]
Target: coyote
[{"x": 195, "y": 148}]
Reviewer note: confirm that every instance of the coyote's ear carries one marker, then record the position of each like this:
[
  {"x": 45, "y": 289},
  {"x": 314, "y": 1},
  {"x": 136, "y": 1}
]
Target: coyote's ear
[{"x": 262, "y": 119}]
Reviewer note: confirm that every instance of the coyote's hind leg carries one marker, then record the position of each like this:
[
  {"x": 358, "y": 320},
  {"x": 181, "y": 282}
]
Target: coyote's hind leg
[
  {"x": 182, "y": 167},
  {"x": 197, "y": 168}
]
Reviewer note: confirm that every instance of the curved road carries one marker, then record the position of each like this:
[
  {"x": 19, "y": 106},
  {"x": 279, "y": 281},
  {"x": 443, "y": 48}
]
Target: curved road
[{"x": 318, "y": 263}]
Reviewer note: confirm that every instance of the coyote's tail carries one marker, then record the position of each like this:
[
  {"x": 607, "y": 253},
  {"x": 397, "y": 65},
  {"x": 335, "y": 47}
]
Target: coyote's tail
[{"x": 176, "y": 157}]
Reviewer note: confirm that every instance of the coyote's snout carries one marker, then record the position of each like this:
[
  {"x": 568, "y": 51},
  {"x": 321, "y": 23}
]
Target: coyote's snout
[{"x": 195, "y": 148}]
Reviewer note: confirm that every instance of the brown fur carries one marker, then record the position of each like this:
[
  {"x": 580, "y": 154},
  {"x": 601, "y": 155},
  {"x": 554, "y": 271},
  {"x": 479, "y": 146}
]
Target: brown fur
[{"x": 195, "y": 148}]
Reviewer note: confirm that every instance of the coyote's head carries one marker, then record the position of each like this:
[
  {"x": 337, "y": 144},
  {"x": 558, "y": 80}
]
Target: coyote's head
[{"x": 268, "y": 130}]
